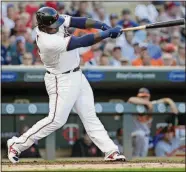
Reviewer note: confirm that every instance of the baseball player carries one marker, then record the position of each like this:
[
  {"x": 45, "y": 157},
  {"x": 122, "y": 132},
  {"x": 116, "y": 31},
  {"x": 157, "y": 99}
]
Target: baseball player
[{"x": 65, "y": 83}]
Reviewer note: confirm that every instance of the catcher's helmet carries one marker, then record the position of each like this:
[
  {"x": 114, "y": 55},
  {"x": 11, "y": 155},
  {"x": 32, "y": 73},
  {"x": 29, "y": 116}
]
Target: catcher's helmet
[{"x": 48, "y": 17}]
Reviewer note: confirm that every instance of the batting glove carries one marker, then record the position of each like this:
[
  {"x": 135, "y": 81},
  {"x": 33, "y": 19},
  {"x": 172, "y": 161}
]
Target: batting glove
[
  {"x": 115, "y": 32},
  {"x": 105, "y": 27}
]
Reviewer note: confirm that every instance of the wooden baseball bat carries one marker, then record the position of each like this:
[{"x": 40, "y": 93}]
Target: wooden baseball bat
[{"x": 157, "y": 25}]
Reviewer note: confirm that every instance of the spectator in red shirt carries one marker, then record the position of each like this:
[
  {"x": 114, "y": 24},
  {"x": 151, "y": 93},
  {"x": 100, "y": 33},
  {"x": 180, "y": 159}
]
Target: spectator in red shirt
[{"x": 52, "y": 4}]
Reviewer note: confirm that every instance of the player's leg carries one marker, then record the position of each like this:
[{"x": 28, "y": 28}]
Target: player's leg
[
  {"x": 63, "y": 91},
  {"x": 140, "y": 145},
  {"x": 84, "y": 106}
]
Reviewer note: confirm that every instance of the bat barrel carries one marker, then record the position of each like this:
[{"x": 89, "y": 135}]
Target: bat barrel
[{"x": 166, "y": 24}]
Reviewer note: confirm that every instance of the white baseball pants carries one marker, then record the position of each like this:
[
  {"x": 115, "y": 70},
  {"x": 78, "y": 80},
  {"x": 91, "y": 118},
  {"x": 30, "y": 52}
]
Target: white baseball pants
[{"x": 65, "y": 92}]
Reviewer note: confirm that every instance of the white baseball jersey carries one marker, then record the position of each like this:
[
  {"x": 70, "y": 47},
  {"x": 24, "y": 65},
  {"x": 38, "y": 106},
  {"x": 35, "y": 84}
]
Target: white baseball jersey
[{"x": 53, "y": 49}]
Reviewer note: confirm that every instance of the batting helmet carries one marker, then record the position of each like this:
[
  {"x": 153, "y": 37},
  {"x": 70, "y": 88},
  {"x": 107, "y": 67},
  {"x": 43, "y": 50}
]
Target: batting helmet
[{"x": 49, "y": 17}]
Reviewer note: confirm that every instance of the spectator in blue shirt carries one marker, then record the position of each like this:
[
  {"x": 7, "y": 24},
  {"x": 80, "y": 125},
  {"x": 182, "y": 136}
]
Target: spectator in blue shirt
[
  {"x": 125, "y": 41},
  {"x": 168, "y": 144},
  {"x": 17, "y": 51},
  {"x": 5, "y": 44},
  {"x": 126, "y": 20}
]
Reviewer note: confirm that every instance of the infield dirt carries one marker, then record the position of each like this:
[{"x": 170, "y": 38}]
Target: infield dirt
[{"x": 92, "y": 164}]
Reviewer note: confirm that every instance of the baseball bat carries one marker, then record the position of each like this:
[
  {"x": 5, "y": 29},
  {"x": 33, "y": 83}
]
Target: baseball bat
[{"x": 157, "y": 25}]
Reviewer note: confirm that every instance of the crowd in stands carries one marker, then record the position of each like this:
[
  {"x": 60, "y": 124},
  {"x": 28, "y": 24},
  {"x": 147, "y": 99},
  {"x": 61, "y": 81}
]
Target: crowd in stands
[{"x": 155, "y": 47}]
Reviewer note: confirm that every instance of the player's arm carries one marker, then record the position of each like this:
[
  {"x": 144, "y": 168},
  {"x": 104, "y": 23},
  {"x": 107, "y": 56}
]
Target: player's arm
[
  {"x": 91, "y": 39},
  {"x": 84, "y": 23},
  {"x": 140, "y": 101}
]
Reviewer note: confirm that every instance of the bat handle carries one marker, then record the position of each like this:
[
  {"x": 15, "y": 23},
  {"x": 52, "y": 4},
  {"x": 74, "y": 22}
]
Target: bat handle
[{"x": 134, "y": 28}]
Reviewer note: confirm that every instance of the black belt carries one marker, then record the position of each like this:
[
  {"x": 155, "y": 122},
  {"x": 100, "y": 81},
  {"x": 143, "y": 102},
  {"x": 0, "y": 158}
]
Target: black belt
[{"x": 74, "y": 70}]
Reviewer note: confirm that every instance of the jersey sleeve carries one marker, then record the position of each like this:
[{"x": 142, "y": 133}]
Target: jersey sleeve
[
  {"x": 67, "y": 20},
  {"x": 57, "y": 44}
]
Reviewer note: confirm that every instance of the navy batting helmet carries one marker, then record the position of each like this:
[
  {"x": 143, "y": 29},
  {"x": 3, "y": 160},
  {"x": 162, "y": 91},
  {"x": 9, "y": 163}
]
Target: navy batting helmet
[{"x": 49, "y": 17}]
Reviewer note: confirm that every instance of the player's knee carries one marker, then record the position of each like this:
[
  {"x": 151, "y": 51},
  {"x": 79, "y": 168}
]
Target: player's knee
[
  {"x": 140, "y": 137},
  {"x": 58, "y": 123}
]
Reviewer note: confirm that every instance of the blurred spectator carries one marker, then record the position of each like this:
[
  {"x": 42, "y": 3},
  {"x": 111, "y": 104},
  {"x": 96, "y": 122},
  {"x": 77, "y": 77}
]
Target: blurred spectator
[
  {"x": 84, "y": 147},
  {"x": 154, "y": 49},
  {"x": 141, "y": 35},
  {"x": 126, "y": 20},
  {"x": 119, "y": 139},
  {"x": 168, "y": 60},
  {"x": 27, "y": 59},
  {"x": 82, "y": 10},
  {"x": 169, "y": 48},
  {"x": 146, "y": 11},
  {"x": 61, "y": 8},
  {"x": 143, "y": 122},
  {"x": 176, "y": 39},
  {"x": 168, "y": 144},
  {"x": 38, "y": 62},
  {"x": 154, "y": 36},
  {"x": 124, "y": 61},
  {"x": 144, "y": 59},
  {"x": 21, "y": 7},
  {"x": 5, "y": 44},
  {"x": 108, "y": 47},
  {"x": 182, "y": 9},
  {"x": 113, "y": 19},
  {"x": 116, "y": 56},
  {"x": 104, "y": 60},
  {"x": 17, "y": 26},
  {"x": 172, "y": 12},
  {"x": 136, "y": 48},
  {"x": 3, "y": 9},
  {"x": 31, "y": 9},
  {"x": 74, "y": 5},
  {"x": 52, "y": 4},
  {"x": 11, "y": 14},
  {"x": 33, "y": 151},
  {"x": 102, "y": 16},
  {"x": 34, "y": 21},
  {"x": 180, "y": 55},
  {"x": 18, "y": 49},
  {"x": 125, "y": 42},
  {"x": 24, "y": 17}
]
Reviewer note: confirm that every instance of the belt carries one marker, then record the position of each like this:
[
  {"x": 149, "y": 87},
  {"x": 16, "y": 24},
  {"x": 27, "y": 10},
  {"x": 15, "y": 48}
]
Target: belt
[{"x": 74, "y": 70}]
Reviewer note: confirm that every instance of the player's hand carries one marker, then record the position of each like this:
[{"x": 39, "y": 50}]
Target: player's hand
[
  {"x": 105, "y": 27},
  {"x": 149, "y": 106},
  {"x": 115, "y": 32},
  {"x": 172, "y": 105}
]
